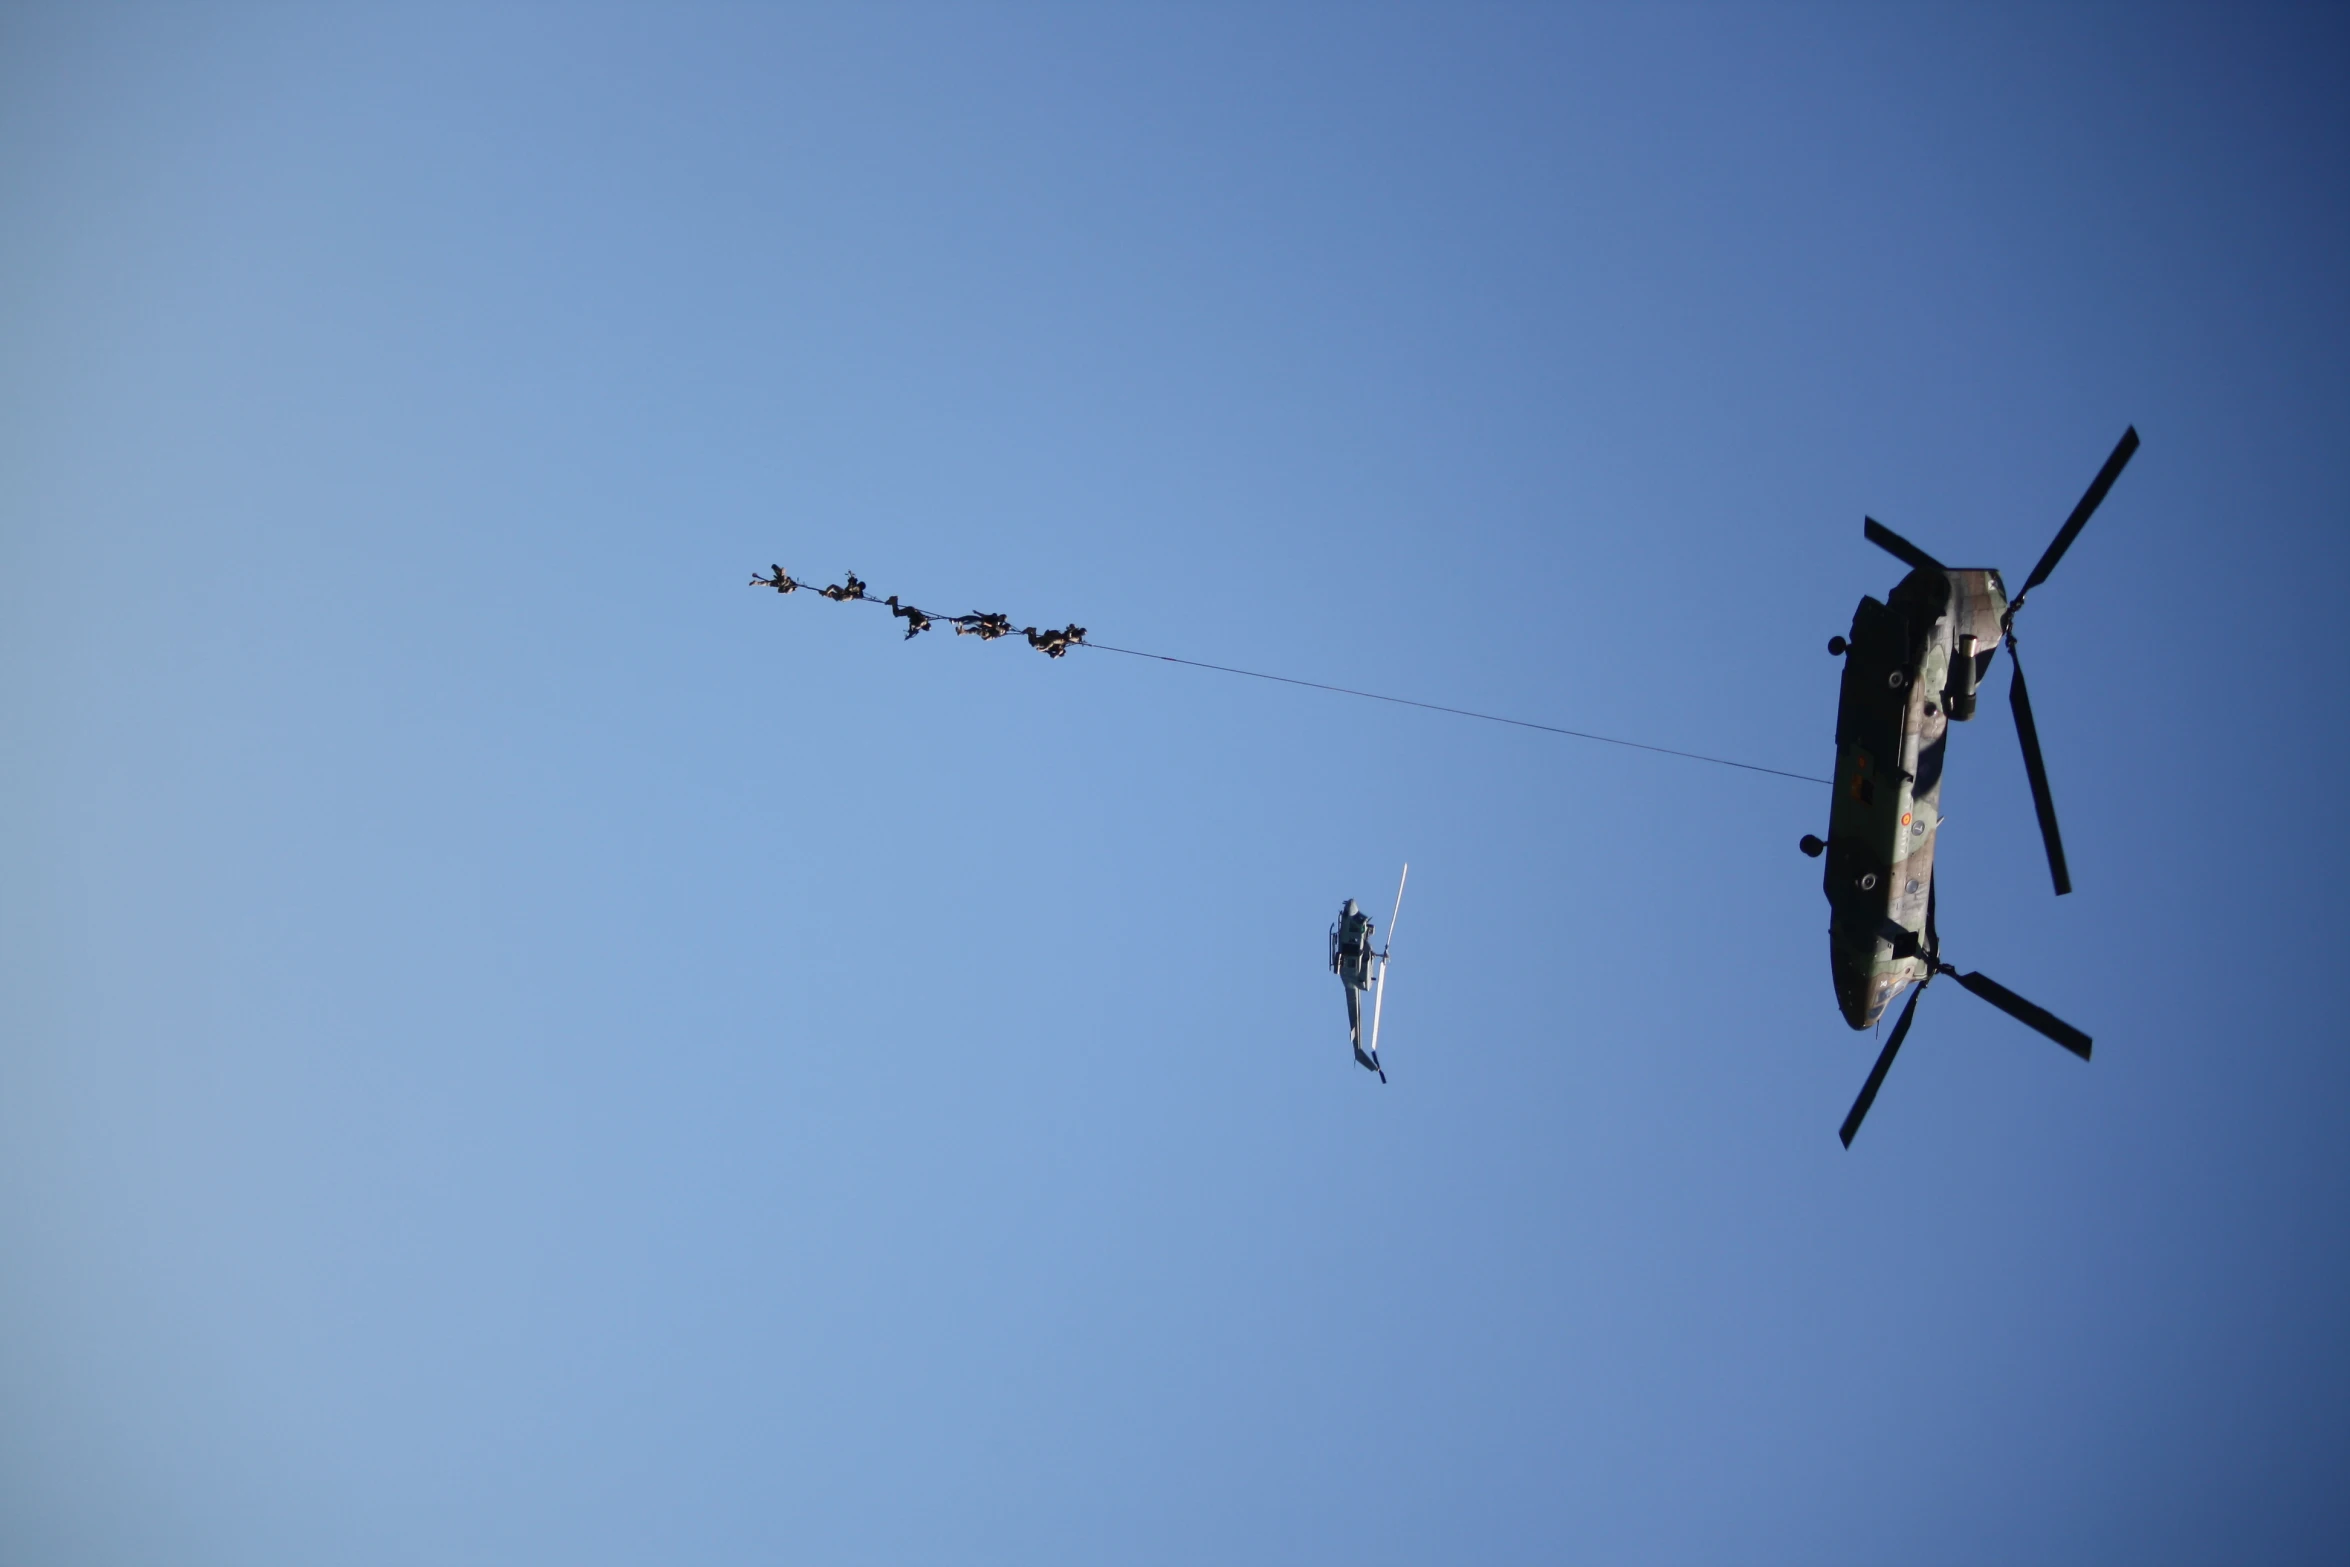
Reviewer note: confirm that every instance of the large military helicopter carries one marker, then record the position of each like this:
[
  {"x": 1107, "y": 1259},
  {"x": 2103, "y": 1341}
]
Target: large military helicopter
[
  {"x": 1911, "y": 665},
  {"x": 1359, "y": 969}
]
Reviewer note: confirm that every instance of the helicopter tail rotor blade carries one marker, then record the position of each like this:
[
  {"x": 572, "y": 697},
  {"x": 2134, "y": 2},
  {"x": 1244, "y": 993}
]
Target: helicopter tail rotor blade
[
  {"x": 1868, "y": 1090},
  {"x": 2090, "y": 501},
  {"x": 2027, "y": 733},
  {"x": 1895, "y": 545},
  {"x": 2015, "y": 1006}
]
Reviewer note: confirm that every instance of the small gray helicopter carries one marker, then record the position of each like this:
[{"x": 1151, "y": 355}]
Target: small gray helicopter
[{"x": 1359, "y": 969}]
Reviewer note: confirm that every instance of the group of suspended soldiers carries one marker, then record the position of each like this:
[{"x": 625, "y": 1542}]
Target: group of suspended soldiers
[{"x": 1053, "y": 644}]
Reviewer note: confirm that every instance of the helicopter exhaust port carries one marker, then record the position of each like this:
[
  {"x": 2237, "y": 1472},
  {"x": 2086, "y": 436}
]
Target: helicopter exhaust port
[{"x": 1958, "y": 696}]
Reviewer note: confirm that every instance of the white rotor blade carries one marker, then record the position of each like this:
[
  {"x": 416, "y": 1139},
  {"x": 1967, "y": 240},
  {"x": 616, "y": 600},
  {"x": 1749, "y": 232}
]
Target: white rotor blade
[
  {"x": 1398, "y": 914},
  {"x": 1379, "y": 991}
]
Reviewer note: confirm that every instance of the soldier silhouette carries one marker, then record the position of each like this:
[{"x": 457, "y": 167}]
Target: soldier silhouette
[
  {"x": 1055, "y": 644},
  {"x": 916, "y": 621}
]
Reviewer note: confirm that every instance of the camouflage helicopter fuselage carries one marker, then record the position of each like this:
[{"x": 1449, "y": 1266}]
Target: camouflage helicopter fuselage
[{"x": 1912, "y": 664}]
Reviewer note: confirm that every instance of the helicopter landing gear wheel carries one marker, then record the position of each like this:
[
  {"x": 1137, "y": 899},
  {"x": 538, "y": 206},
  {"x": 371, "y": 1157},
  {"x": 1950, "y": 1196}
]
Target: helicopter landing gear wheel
[
  {"x": 1811, "y": 846},
  {"x": 1837, "y": 647}
]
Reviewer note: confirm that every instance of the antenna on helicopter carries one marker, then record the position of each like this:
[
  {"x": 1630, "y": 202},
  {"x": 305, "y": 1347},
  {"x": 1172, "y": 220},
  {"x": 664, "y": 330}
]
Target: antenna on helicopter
[{"x": 1379, "y": 990}]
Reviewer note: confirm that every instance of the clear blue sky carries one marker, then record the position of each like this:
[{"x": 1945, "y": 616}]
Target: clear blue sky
[{"x": 514, "y": 1047}]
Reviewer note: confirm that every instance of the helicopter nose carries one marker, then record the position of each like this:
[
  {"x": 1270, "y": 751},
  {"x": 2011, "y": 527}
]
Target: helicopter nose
[{"x": 1863, "y": 988}]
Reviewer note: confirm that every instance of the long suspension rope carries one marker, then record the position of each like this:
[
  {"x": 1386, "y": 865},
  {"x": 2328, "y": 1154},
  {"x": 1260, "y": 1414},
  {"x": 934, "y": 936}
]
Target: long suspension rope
[
  {"x": 1461, "y": 712},
  {"x": 1056, "y": 644}
]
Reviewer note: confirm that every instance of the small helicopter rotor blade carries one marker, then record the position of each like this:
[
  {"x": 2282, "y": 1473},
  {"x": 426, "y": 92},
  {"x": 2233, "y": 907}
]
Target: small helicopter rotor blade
[
  {"x": 1379, "y": 987},
  {"x": 1895, "y": 545},
  {"x": 2024, "y": 1012},
  {"x": 1397, "y": 915},
  {"x": 2027, "y": 733},
  {"x": 2090, "y": 500},
  {"x": 1868, "y": 1090}
]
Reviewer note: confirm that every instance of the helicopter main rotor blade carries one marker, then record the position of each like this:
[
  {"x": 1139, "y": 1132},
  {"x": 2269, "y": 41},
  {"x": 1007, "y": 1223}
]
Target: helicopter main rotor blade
[
  {"x": 1895, "y": 545},
  {"x": 2090, "y": 500},
  {"x": 1379, "y": 991},
  {"x": 2024, "y": 1012},
  {"x": 1868, "y": 1090},
  {"x": 2019, "y": 702}
]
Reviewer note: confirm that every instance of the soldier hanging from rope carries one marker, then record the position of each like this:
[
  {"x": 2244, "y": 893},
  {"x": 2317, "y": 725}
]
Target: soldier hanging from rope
[
  {"x": 981, "y": 624},
  {"x": 985, "y": 627},
  {"x": 916, "y": 621},
  {"x": 1054, "y": 644}
]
